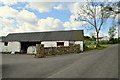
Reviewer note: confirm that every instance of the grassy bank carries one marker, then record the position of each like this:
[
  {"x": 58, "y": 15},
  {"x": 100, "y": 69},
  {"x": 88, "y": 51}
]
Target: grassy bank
[{"x": 93, "y": 47}]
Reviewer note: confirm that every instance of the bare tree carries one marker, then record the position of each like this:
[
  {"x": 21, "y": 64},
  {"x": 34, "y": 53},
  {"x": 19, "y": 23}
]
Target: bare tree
[
  {"x": 115, "y": 10},
  {"x": 94, "y": 14}
]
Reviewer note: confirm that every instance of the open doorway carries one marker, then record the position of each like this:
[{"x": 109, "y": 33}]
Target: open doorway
[{"x": 25, "y": 45}]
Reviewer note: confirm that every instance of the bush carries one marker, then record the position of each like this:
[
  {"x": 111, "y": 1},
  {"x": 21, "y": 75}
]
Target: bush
[
  {"x": 104, "y": 42},
  {"x": 118, "y": 41},
  {"x": 113, "y": 41}
]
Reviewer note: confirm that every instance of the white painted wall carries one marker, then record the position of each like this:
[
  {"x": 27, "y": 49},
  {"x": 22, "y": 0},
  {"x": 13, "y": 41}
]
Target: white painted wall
[
  {"x": 81, "y": 44},
  {"x": 12, "y": 47},
  {"x": 54, "y": 43},
  {"x": 15, "y": 46},
  {"x": 49, "y": 43},
  {"x": 66, "y": 43}
]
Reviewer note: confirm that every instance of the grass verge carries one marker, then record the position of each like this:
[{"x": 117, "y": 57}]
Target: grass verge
[{"x": 93, "y": 47}]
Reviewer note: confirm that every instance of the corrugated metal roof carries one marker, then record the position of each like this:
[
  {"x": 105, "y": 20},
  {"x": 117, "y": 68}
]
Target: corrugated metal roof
[{"x": 69, "y": 35}]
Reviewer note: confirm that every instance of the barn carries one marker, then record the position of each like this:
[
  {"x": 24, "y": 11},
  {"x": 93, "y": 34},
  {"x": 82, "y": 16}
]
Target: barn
[{"x": 26, "y": 42}]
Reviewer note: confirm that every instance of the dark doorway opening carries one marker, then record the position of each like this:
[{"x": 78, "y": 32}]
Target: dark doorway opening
[
  {"x": 60, "y": 43},
  {"x": 25, "y": 45}
]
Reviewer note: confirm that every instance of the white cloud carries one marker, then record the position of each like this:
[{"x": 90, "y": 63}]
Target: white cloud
[
  {"x": 6, "y": 11},
  {"x": 45, "y": 6},
  {"x": 40, "y": 6},
  {"x": 26, "y": 27},
  {"x": 6, "y": 22},
  {"x": 6, "y": 26},
  {"x": 27, "y": 21},
  {"x": 6, "y": 30},
  {"x": 47, "y": 24},
  {"x": 9, "y": 2},
  {"x": 72, "y": 24},
  {"x": 59, "y": 7},
  {"x": 50, "y": 24},
  {"x": 26, "y": 16},
  {"x": 74, "y": 7},
  {"x": 83, "y": 9}
]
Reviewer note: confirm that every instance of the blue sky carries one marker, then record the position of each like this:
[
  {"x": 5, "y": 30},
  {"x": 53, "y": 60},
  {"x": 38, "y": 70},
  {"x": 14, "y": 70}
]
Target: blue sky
[
  {"x": 63, "y": 15},
  {"x": 34, "y": 17}
]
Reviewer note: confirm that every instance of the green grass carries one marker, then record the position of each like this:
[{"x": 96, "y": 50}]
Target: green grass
[
  {"x": 89, "y": 41},
  {"x": 93, "y": 47},
  {"x": 102, "y": 47}
]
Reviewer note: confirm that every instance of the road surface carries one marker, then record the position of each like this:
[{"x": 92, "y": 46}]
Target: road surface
[
  {"x": 91, "y": 64},
  {"x": 0, "y": 65}
]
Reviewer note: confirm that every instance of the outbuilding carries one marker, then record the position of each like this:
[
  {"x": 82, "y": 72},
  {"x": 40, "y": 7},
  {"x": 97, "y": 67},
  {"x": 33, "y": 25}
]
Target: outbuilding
[{"x": 26, "y": 42}]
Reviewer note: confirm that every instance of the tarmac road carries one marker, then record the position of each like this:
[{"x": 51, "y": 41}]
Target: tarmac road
[
  {"x": 92, "y": 64},
  {"x": 0, "y": 65}
]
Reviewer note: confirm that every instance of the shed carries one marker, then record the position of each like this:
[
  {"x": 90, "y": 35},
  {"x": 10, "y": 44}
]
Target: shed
[{"x": 49, "y": 39}]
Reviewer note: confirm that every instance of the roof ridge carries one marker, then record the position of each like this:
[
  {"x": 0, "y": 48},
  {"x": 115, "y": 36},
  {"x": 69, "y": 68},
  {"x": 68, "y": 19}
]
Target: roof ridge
[{"x": 45, "y": 31}]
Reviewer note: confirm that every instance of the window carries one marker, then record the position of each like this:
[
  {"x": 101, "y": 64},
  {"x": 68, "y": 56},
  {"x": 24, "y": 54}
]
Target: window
[
  {"x": 6, "y": 43},
  {"x": 60, "y": 43}
]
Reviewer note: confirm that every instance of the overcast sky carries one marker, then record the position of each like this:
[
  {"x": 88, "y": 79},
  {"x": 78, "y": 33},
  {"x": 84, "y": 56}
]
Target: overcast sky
[{"x": 42, "y": 16}]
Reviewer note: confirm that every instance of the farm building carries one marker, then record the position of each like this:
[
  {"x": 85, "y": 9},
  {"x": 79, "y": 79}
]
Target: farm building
[
  {"x": 26, "y": 42},
  {"x": 104, "y": 38}
]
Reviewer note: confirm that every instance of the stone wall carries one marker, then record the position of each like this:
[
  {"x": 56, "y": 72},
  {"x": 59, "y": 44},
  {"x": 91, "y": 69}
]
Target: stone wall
[{"x": 42, "y": 51}]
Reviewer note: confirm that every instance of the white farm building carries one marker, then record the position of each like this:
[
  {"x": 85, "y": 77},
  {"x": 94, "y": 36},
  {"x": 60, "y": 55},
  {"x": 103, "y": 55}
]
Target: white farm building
[{"x": 26, "y": 42}]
